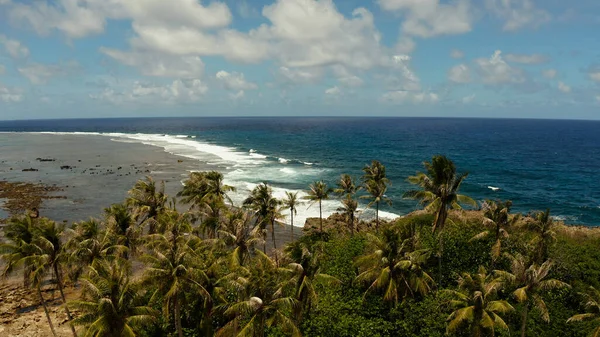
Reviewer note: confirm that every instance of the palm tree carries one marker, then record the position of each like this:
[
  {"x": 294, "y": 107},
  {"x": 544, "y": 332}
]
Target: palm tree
[
  {"x": 237, "y": 234},
  {"x": 305, "y": 269},
  {"x": 375, "y": 183},
  {"x": 110, "y": 304},
  {"x": 592, "y": 306},
  {"x": 476, "y": 305},
  {"x": 266, "y": 210},
  {"x": 205, "y": 185},
  {"x": 348, "y": 209},
  {"x": 497, "y": 217},
  {"x": 171, "y": 267},
  {"x": 317, "y": 193},
  {"x": 544, "y": 228},
  {"x": 392, "y": 267},
  {"x": 47, "y": 254},
  {"x": 291, "y": 202},
  {"x": 531, "y": 283},
  {"x": 260, "y": 306},
  {"x": 147, "y": 201},
  {"x": 439, "y": 190},
  {"x": 346, "y": 186},
  {"x": 21, "y": 232},
  {"x": 120, "y": 222}
]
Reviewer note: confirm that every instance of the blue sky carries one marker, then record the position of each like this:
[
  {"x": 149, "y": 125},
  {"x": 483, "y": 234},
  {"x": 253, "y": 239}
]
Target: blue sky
[{"x": 117, "y": 58}]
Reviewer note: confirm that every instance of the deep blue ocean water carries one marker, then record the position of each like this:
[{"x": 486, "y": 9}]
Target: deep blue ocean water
[{"x": 537, "y": 164}]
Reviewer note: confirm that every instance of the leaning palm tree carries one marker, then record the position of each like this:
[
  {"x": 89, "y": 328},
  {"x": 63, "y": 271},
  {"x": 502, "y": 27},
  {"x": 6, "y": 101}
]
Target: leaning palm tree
[
  {"x": 147, "y": 201},
  {"x": 348, "y": 209},
  {"x": 317, "y": 193},
  {"x": 17, "y": 253},
  {"x": 497, "y": 217},
  {"x": 110, "y": 304},
  {"x": 439, "y": 190},
  {"x": 591, "y": 301},
  {"x": 392, "y": 268},
  {"x": 266, "y": 210},
  {"x": 531, "y": 282},
  {"x": 544, "y": 228},
  {"x": 47, "y": 254},
  {"x": 291, "y": 203},
  {"x": 476, "y": 304},
  {"x": 346, "y": 186},
  {"x": 375, "y": 182},
  {"x": 260, "y": 305},
  {"x": 171, "y": 267}
]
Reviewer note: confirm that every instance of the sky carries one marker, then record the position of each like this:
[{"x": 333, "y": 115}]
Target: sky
[{"x": 460, "y": 58}]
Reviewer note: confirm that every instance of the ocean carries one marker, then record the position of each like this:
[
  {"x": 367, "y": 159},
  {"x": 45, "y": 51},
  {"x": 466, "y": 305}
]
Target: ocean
[{"x": 537, "y": 164}]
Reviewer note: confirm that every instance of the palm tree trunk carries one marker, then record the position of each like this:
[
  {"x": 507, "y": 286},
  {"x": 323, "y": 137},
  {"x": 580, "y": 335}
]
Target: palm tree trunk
[
  {"x": 292, "y": 221},
  {"x": 39, "y": 291},
  {"x": 178, "y": 318},
  {"x": 377, "y": 217},
  {"x": 62, "y": 295},
  {"x": 321, "y": 216},
  {"x": 273, "y": 234},
  {"x": 524, "y": 320},
  {"x": 441, "y": 244}
]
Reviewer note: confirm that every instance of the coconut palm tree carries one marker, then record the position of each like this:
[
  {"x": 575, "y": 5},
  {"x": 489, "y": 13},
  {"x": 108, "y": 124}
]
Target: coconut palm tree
[
  {"x": 17, "y": 253},
  {"x": 205, "y": 185},
  {"x": 147, "y": 201},
  {"x": 317, "y": 193},
  {"x": 237, "y": 234},
  {"x": 531, "y": 282},
  {"x": 47, "y": 253},
  {"x": 439, "y": 190},
  {"x": 305, "y": 270},
  {"x": 171, "y": 270},
  {"x": 260, "y": 305},
  {"x": 375, "y": 182},
  {"x": 543, "y": 226},
  {"x": 497, "y": 217},
  {"x": 476, "y": 304},
  {"x": 119, "y": 221},
  {"x": 348, "y": 209},
  {"x": 591, "y": 301},
  {"x": 266, "y": 210},
  {"x": 346, "y": 186},
  {"x": 291, "y": 202},
  {"x": 391, "y": 267},
  {"x": 110, "y": 304}
]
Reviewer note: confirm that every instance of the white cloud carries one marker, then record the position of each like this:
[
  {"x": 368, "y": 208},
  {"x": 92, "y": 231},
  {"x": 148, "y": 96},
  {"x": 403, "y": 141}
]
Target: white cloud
[
  {"x": 234, "y": 81},
  {"x": 459, "y": 74},
  {"x": 457, "y": 54},
  {"x": 403, "y": 96},
  {"x": 526, "y": 59},
  {"x": 405, "y": 45},
  {"x": 237, "y": 95},
  {"x": 468, "y": 99},
  {"x": 549, "y": 73},
  {"x": 333, "y": 91},
  {"x": 518, "y": 14},
  {"x": 178, "y": 91},
  {"x": 345, "y": 77},
  {"x": 563, "y": 87},
  {"x": 428, "y": 18},
  {"x": 495, "y": 71},
  {"x": 10, "y": 95},
  {"x": 14, "y": 48},
  {"x": 300, "y": 76},
  {"x": 38, "y": 73},
  {"x": 154, "y": 64},
  {"x": 594, "y": 74}
]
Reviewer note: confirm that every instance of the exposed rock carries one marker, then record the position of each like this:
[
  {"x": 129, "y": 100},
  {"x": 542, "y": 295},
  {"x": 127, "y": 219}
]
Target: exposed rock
[{"x": 29, "y": 170}]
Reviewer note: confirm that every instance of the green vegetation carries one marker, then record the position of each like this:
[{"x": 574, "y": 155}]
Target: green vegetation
[{"x": 149, "y": 269}]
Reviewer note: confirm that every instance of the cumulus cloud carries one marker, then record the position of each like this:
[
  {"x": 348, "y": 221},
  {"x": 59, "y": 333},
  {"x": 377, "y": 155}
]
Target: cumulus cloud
[
  {"x": 430, "y": 18},
  {"x": 345, "y": 77},
  {"x": 178, "y": 91},
  {"x": 594, "y": 73},
  {"x": 495, "y": 71},
  {"x": 527, "y": 59},
  {"x": 468, "y": 99},
  {"x": 14, "y": 48},
  {"x": 10, "y": 95},
  {"x": 459, "y": 74},
  {"x": 405, "y": 45},
  {"x": 518, "y": 14},
  {"x": 38, "y": 73},
  {"x": 456, "y": 54},
  {"x": 160, "y": 65},
  {"x": 234, "y": 81},
  {"x": 300, "y": 76},
  {"x": 549, "y": 73},
  {"x": 563, "y": 87},
  {"x": 403, "y": 96},
  {"x": 333, "y": 91}
]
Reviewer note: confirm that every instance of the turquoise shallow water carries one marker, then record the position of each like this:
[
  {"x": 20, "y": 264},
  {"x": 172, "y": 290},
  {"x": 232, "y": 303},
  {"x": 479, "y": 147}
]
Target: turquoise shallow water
[{"x": 535, "y": 163}]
